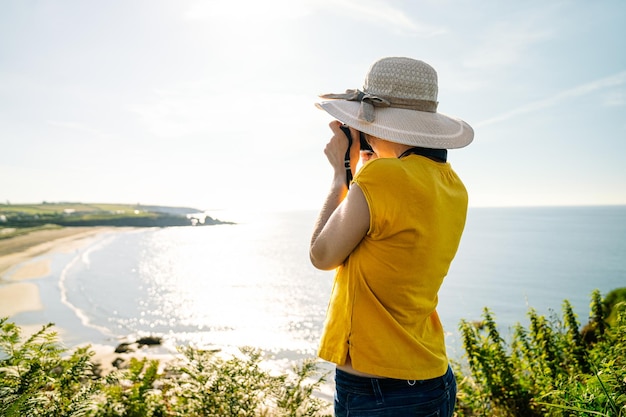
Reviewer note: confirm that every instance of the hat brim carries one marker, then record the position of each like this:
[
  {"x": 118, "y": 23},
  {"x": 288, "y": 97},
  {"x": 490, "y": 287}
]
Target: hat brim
[{"x": 409, "y": 127}]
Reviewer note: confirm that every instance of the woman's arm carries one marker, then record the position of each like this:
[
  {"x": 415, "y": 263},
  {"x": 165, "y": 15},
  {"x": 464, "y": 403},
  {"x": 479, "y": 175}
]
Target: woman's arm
[
  {"x": 344, "y": 218},
  {"x": 334, "y": 239}
]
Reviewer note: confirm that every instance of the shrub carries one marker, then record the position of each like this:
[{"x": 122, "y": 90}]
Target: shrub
[
  {"x": 548, "y": 369},
  {"x": 37, "y": 380}
]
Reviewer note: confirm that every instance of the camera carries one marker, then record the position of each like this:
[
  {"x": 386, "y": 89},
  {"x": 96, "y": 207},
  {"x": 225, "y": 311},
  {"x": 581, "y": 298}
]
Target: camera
[{"x": 364, "y": 145}]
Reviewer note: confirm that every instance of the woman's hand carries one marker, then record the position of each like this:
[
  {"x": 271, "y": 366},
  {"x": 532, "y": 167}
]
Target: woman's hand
[{"x": 338, "y": 145}]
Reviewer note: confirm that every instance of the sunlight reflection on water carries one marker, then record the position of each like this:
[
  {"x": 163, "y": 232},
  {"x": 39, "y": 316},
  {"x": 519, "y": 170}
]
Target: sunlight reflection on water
[
  {"x": 228, "y": 285},
  {"x": 252, "y": 283}
]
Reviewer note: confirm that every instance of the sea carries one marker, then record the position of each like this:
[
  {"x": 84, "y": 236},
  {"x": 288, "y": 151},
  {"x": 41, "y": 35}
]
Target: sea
[{"x": 251, "y": 283}]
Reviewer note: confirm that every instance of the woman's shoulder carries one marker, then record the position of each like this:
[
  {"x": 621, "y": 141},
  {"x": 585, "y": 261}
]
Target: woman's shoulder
[
  {"x": 381, "y": 164},
  {"x": 379, "y": 171},
  {"x": 385, "y": 168}
]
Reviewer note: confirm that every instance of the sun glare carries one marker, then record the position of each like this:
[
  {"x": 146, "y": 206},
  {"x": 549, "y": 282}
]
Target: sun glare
[{"x": 248, "y": 11}]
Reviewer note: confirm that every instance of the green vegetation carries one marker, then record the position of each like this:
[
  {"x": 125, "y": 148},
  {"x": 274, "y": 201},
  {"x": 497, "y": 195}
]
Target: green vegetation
[
  {"x": 20, "y": 218},
  {"x": 51, "y": 208},
  {"x": 551, "y": 368},
  {"x": 7, "y": 232},
  {"x": 38, "y": 378},
  {"x": 611, "y": 300}
]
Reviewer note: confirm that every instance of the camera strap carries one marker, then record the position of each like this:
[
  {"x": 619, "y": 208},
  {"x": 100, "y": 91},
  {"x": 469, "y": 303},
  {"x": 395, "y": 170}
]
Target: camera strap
[
  {"x": 440, "y": 155},
  {"x": 346, "y": 160},
  {"x": 346, "y": 164}
]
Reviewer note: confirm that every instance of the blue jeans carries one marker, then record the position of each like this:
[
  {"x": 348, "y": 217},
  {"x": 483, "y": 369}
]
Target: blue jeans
[{"x": 357, "y": 396}]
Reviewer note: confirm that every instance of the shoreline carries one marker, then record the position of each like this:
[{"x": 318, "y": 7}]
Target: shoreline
[{"x": 26, "y": 258}]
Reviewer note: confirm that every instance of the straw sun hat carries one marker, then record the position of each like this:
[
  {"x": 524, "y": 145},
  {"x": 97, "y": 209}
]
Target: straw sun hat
[{"x": 399, "y": 104}]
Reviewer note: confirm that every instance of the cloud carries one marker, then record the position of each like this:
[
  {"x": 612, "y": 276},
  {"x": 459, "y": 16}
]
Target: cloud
[
  {"x": 383, "y": 14},
  {"x": 615, "y": 98},
  {"x": 493, "y": 48},
  {"x": 505, "y": 44},
  {"x": 512, "y": 37},
  {"x": 581, "y": 90},
  {"x": 254, "y": 12},
  {"x": 246, "y": 10},
  {"x": 194, "y": 110},
  {"x": 82, "y": 128}
]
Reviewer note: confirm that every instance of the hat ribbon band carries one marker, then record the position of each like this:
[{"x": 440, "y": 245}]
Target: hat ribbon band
[{"x": 370, "y": 101}]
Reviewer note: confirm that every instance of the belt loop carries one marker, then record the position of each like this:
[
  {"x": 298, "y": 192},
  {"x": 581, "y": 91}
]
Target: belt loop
[{"x": 377, "y": 392}]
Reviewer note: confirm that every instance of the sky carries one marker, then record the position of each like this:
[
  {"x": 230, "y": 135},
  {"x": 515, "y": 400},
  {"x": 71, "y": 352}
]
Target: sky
[{"x": 210, "y": 104}]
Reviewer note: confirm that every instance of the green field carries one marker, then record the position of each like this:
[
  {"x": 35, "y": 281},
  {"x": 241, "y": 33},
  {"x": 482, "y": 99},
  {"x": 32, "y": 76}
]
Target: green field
[
  {"x": 60, "y": 207},
  {"x": 17, "y": 219}
]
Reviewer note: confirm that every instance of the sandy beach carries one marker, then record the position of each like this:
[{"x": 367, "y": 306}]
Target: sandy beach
[
  {"x": 26, "y": 258},
  {"x": 23, "y": 259}
]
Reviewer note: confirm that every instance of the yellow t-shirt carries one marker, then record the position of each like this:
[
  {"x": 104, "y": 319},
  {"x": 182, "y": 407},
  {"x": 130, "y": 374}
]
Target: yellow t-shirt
[{"x": 382, "y": 308}]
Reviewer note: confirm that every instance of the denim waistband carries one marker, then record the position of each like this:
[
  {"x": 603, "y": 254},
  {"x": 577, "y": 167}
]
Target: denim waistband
[{"x": 360, "y": 384}]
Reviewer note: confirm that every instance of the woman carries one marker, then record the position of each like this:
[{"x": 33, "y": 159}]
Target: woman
[{"x": 391, "y": 237}]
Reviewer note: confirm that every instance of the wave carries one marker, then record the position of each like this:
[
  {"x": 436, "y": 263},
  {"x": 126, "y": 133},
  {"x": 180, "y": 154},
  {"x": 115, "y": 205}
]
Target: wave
[{"x": 83, "y": 257}]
